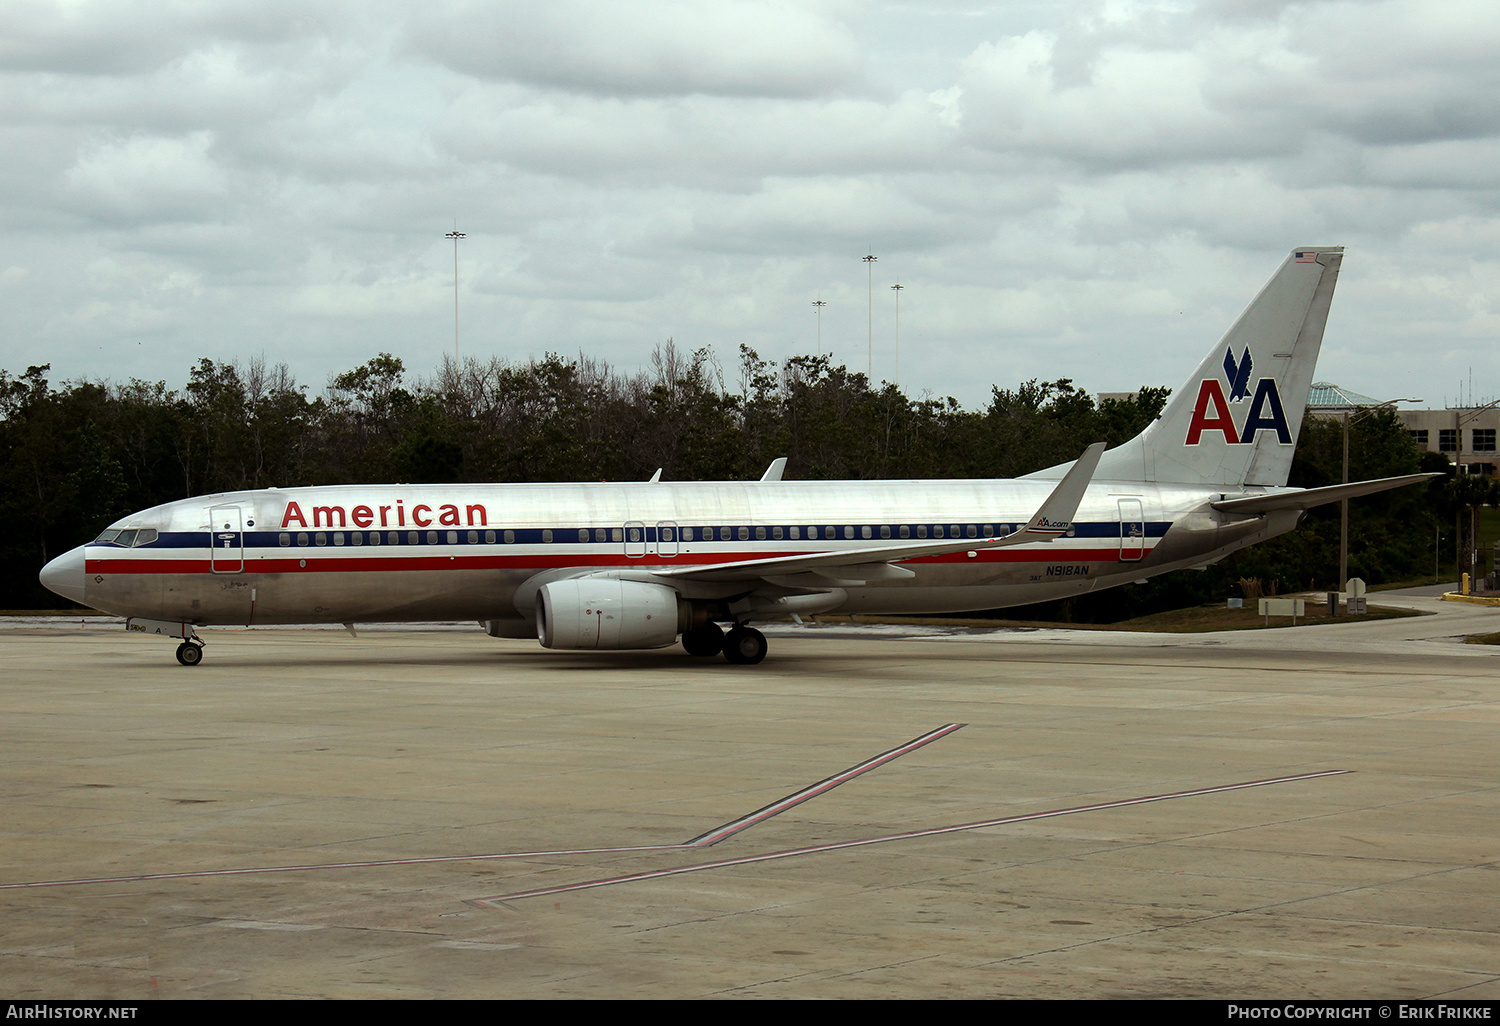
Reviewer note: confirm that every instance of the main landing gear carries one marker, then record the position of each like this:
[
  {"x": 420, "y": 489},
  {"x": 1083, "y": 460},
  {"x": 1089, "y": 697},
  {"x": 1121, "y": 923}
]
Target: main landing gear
[
  {"x": 742, "y": 645},
  {"x": 190, "y": 653},
  {"x": 745, "y": 646},
  {"x": 707, "y": 640}
]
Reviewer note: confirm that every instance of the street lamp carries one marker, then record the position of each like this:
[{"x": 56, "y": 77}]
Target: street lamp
[
  {"x": 1364, "y": 412},
  {"x": 819, "y": 305},
  {"x": 455, "y": 235}
]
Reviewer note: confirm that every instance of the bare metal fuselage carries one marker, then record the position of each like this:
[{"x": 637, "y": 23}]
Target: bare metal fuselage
[{"x": 364, "y": 554}]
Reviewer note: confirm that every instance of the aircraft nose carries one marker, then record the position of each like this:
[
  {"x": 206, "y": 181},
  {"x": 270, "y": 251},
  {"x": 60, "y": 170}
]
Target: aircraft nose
[{"x": 64, "y": 575}]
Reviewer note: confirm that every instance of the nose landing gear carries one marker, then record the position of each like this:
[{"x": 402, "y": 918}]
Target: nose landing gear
[{"x": 190, "y": 653}]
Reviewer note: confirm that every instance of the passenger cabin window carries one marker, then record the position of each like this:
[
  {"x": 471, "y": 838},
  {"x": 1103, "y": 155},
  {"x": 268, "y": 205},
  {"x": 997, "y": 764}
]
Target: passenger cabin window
[
  {"x": 356, "y": 537},
  {"x": 284, "y": 539},
  {"x": 547, "y": 534},
  {"x": 301, "y": 537},
  {"x": 510, "y": 537}
]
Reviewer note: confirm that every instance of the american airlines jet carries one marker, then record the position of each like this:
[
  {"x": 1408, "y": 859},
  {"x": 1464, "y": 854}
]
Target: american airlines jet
[{"x": 640, "y": 565}]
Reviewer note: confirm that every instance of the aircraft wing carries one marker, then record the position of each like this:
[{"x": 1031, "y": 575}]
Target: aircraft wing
[
  {"x": 1052, "y": 519},
  {"x": 1306, "y": 498}
]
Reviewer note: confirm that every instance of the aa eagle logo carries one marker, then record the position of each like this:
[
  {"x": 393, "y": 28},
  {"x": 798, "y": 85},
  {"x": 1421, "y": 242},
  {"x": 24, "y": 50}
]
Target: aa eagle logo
[{"x": 1213, "y": 411}]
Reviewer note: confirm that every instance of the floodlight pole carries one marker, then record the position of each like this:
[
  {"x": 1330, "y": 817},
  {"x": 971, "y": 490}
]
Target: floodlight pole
[
  {"x": 897, "y": 289},
  {"x": 869, "y": 260},
  {"x": 819, "y": 304},
  {"x": 455, "y": 235}
]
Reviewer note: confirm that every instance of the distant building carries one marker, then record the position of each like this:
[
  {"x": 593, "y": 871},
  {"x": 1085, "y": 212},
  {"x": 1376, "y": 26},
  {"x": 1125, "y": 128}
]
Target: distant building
[
  {"x": 1465, "y": 434},
  {"x": 1325, "y": 399}
]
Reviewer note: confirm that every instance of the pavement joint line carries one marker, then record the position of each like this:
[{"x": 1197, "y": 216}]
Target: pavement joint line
[
  {"x": 501, "y": 899},
  {"x": 823, "y": 786},
  {"x": 704, "y": 840}
]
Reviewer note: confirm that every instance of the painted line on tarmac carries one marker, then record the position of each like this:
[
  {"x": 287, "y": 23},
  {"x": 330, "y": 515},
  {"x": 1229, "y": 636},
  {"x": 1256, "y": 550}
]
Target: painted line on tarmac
[{"x": 905, "y": 836}]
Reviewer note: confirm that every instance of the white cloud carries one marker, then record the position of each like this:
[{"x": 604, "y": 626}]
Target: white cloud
[
  {"x": 150, "y": 178},
  {"x": 1089, "y": 189},
  {"x": 677, "y": 47}
]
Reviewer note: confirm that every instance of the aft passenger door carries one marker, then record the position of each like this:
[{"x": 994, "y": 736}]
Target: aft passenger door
[
  {"x": 226, "y": 540},
  {"x": 1132, "y": 530}
]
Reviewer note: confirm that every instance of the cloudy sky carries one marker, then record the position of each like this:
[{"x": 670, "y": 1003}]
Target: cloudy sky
[{"x": 1086, "y": 189}]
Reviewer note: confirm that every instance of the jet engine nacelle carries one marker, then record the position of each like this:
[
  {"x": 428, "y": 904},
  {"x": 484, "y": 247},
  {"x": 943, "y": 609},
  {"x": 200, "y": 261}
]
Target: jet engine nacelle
[{"x": 604, "y": 613}]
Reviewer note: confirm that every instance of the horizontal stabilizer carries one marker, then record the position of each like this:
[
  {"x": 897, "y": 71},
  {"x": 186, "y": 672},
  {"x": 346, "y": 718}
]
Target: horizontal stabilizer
[{"x": 1307, "y": 498}]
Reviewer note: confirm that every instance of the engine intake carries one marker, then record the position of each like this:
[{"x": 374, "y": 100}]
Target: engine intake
[{"x": 603, "y": 613}]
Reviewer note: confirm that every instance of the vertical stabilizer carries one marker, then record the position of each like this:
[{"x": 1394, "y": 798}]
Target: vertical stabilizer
[{"x": 1236, "y": 421}]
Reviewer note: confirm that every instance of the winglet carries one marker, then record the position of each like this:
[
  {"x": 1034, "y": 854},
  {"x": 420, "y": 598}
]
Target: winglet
[
  {"x": 775, "y": 470},
  {"x": 1056, "y": 514},
  {"x": 656, "y": 477}
]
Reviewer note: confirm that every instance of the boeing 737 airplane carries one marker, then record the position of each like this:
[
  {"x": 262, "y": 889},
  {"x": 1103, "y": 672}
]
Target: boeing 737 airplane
[{"x": 620, "y": 566}]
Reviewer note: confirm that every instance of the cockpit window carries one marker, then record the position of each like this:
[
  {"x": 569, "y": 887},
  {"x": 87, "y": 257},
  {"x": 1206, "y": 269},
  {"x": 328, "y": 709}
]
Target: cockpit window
[{"x": 132, "y": 538}]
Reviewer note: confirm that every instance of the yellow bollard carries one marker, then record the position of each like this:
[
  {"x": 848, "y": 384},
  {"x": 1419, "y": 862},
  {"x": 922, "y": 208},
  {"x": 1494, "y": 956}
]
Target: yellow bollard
[{"x": 1464, "y": 585}]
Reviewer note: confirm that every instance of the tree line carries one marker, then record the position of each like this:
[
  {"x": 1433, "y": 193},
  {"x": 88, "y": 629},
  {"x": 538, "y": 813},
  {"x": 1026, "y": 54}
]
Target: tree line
[{"x": 79, "y": 455}]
